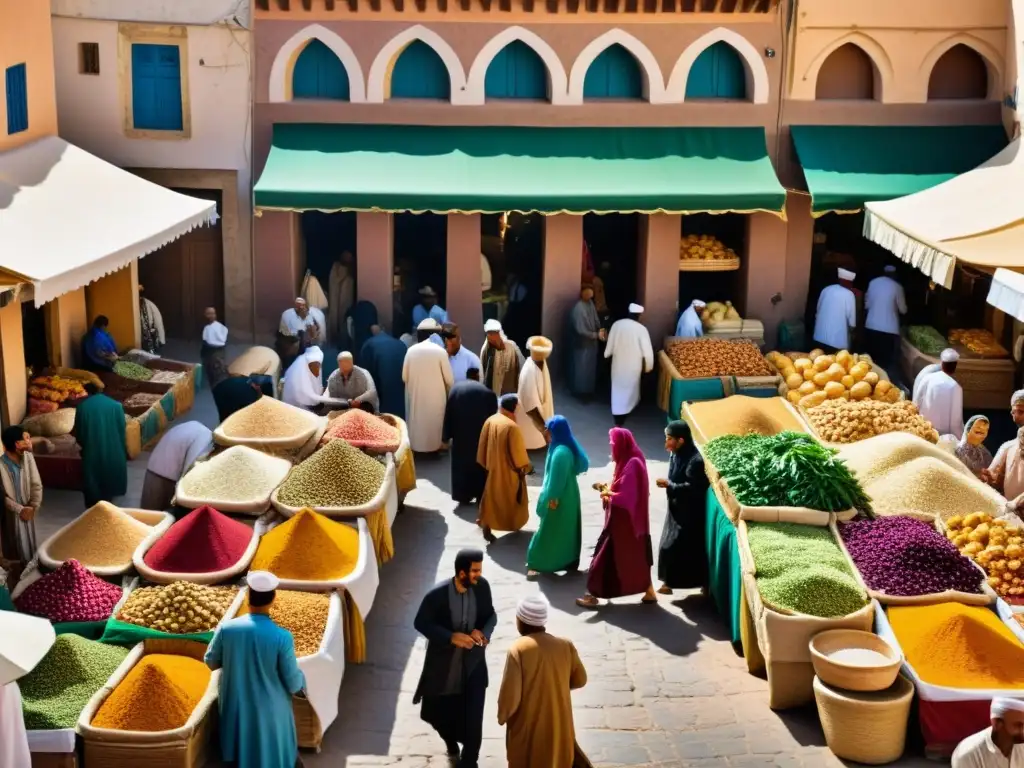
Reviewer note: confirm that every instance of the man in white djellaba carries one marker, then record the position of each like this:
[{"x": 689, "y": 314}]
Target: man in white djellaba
[
  {"x": 428, "y": 377},
  {"x": 995, "y": 746},
  {"x": 629, "y": 347},
  {"x": 939, "y": 397},
  {"x": 837, "y": 313},
  {"x": 536, "y": 400}
]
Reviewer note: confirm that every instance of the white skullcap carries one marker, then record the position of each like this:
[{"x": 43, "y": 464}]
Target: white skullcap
[
  {"x": 1016, "y": 397},
  {"x": 845, "y": 274},
  {"x": 299, "y": 300},
  {"x": 492, "y": 326},
  {"x": 636, "y": 309},
  {"x": 890, "y": 268},
  {"x": 430, "y": 324},
  {"x": 1002, "y": 704},
  {"x": 949, "y": 356},
  {"x": 344, "y": 356},
  {"x": 699, "y": 303},
  {"x": 314, "y": 355},
  {"x": 262, "y": 581},
  {"x": 533, "y": 610}
]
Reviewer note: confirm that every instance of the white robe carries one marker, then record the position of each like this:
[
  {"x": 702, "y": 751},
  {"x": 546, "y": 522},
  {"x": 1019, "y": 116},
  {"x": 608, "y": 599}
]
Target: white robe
[
  {"x": 291, "y": 323},
  {"x": 428, "y": 378},
  {"x": 927, "y": 371},
  {"x": 884, "y": 302},
  {"x": 13, "y": 738},
  {"x": 301, "y": 388},
  {"x": 837, "y": 314},
  {"x": 629, "y": 347},
  {"x": 157, "y": 319},
  {"x": 534, "y": 392},
  {"x": 689, "y": 325},
  {"x": 941, "y": 401},
  {"x": 978, "y": 751}
]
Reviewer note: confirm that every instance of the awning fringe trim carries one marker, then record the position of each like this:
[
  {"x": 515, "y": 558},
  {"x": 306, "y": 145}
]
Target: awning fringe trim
[{"x": 927, "y": 257}]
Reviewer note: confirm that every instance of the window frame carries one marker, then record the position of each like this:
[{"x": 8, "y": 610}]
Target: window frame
[
  {"x": 152, "y": 34},
  {"x": 89, "y": 53}
]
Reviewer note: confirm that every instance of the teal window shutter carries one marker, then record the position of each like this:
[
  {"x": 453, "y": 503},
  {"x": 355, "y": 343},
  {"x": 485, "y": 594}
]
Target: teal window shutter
[
  {"x": 615, "y": 74},
  {"x": 517, "y": 72},
  {"x": 420, "y": 73},
  {"x": 16, "y": 80},
  {"x": 156, "y": 87},
  {"x": 718, "y": 73},
  {"x": 319, "y": 74}
]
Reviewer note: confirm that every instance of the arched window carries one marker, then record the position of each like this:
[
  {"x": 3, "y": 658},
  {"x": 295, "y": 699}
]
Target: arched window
[
  {"x": 419, "y": 73},
  {"x": 847, "y": 73},
  {"x": 517, "y": 72},
  {"x": 319, "y": 74},
  {"x": 960, "y": 73},
  {"x": 718, "y": 73},
  {"x": 615, "y": 74}
]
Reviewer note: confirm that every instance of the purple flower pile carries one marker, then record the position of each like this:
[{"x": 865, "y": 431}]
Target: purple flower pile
[{"x": 904, "y": 557}]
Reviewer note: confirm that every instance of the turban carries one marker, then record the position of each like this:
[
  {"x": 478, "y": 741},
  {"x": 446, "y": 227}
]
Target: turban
[
  {"x": 1001, "y": 705},
  {"x": 509, "y": 402},
  {"x": 845, "y": 274},
  {"x": 699, "y": 303},
  {"x": 636, "y": 309},
  {"x": 492, "y": 326},
  {"x": 314, "y": 355},
  {"x": 533, "y": 610},
  {"x": 427, "y": 291},
  {"x": 1016, "y": 397},
  {"x": 429, "y": 324}
]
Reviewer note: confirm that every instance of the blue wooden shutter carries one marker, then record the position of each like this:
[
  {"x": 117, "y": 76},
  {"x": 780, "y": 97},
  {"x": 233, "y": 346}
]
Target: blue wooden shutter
[
  {"x": 615, "y": 74},
  {"x": 718, "y": 73},
  {"x": 17, "y": 99},
  {"x": 517, "y": 72},
  {"x": 319, "y": 74},
  {"x": 420, "y": 73},
  {"x": 156, "y": 87}
]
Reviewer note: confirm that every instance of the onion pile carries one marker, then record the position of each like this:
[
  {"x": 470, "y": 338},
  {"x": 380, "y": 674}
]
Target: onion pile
[{"x": 71, "y": 593}]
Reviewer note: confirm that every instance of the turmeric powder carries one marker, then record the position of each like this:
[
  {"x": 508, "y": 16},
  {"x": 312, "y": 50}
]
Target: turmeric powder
[
  {"x": 308, "y": 547},
  {"x": 158, "y": 694},
  {"x": 959, "y": 646}
]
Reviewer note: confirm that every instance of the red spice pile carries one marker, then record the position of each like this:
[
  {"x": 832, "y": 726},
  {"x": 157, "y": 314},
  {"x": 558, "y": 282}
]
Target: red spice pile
[
  {"x": 364, "y": 430},
  {"x": 71, "y": 593},
  {"x": 203, "y": 541}
]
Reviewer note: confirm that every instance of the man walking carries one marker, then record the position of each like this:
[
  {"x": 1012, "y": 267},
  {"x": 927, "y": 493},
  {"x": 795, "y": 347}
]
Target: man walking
[
  {"x": 885, "y": 303},
  {"x": 629, "y": 347},
  {"x": 836, "y": 317},
  {"x": 534, "y": 702},
  {"x": 428, "y": 378},
  {"x": 501, "y": 359},
  {"x": 470, "y": 405},
  {"x": 536, "y": 400},
  {"x": 457, "y": 617},
  {"x": 502, "y": 452}
]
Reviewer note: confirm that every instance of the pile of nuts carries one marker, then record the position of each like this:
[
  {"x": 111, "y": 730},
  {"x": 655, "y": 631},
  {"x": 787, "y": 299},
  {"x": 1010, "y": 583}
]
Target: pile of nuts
[
  {"x": 706, "y": 358},
  {"x": 304, "y": 614},
  {"x": 994, "y": 544},
  {"x": 338, "y": 475},
  {"x": 847, "y": 421},
  {"x": 180, "y": 607}
]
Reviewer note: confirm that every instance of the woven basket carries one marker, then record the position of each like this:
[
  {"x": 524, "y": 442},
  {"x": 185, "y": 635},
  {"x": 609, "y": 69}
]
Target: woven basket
[
  {"x": 709, "y": 265},
  {"x": 851, "y": 677},
  {"x": 307, "y": 724},
  {"x": 869, "y": 728}
]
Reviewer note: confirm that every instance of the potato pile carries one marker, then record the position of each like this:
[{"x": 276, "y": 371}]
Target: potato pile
[
  {"x": 704, "y": 248},
  {"x": 708, "y": 358},
  {"x": 995, "y": 545},
  {"x": 816, "y": 377},
  {"x": 979, "y": 341},
  {"x": 181, "y": 607},
  {"x": 715, "y": 312},
  {"x": 847, "y": 421}
]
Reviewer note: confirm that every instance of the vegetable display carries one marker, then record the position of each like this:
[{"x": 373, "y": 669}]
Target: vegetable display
[
  {"x": 308, "y": 547},
  {"x": 132, "y": 370},
  {"x": 790, "y": 469},
  {"x": 847, "y": 421},
  {"x": 979, "y": 341},
  {"x": 71, "y": 593},
  {"x": 901, "y": 556},
  {"x": 337, "y": 475},
  {"x": 995, "y": 545},
  {"x": 158, "y": 694},
  {"x": 708, "y": 358},
  {"x": 817, "y": 377},
  {"x": 103, "y": 536},
  {"x": 801, "y": 568},
  {"x": 704, "y": 248},
  {"x": 304, "y": 614},
  {"x": 203, "y": 541},
  {"x": 178, "y": 608},
  {"x": 927, "y": 339}
]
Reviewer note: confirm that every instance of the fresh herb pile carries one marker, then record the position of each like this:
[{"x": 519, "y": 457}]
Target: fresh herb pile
[{"x": 790, "y": 469}]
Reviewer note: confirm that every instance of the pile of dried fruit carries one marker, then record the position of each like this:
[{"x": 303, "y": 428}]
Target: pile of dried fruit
[
  {"x": 708, "y": 358},
  {"x": 364, "y": 430},
  {"x": 304, "y": 614},
  {"x": 180, "y": 607},
  {"x": 103, "y": 536},
  {"x": 71, "y": 593},
  {"x": 133, "y": 371},
  {"x": 141, "y": 400},
  {"x": 716, "y": 312},
  {"x": 995, "y": 545},
  {"x": 704, "y": 248},
  {"x": 847, "y": 421},
  {"x": 55, "y": 389},
  {"x": 816, "y": 377},
  {"x": 337, "y": 475},
  {"x": 268, "y": 418},
  {"x": 979, "y": 341},
  {"x": 238, "y": 475},
  {"x": 167, "y": 377}
]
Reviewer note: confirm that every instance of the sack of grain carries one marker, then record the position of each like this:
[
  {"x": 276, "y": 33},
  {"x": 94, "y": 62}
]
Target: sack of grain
[
  {"x": 59, "y": 422},
  {"x": 240, "y": 479},
  {"x": 270, "y": 424}
]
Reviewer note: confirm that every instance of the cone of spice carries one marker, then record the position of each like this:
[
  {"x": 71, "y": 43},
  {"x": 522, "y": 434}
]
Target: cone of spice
[
  {"x": 203, "y": 541},
  {"x": 158, "y": 694},
  {"x": 308, "y": 547},
  {"x": 364, "y": 430},
  {"x": 103, "y": 536},
  {"x": 71, "y": 593}
]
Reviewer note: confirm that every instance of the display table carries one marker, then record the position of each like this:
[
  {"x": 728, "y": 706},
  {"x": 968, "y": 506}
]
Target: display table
[
  {"x": 724, "y": 582},
  {"x": 987, "y": 383}
]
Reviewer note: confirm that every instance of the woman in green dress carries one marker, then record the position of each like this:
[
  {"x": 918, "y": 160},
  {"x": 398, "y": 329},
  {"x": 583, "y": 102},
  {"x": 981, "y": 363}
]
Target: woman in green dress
[{"x": 556, "y": 544}]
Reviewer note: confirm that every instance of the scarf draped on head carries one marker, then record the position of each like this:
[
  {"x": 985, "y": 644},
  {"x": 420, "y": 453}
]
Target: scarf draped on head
[
  {"x": 561, "y": 434},
  {"x": 630, "y": 487}
]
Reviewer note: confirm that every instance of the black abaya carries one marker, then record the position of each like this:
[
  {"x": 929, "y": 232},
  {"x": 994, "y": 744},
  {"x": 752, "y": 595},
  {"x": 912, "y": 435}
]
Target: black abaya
[
  {"x": 682, "y": 561},
  {"x": 470, "y": 404}
]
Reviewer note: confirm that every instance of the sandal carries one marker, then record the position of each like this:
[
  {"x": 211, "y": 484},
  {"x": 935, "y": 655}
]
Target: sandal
[
  {"x": 588, "y": 602},
  {"x": 649, "y": 600}
]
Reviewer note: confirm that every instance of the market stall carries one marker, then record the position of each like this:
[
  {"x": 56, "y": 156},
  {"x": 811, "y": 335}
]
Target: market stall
[{"x": 985, "y": 370}]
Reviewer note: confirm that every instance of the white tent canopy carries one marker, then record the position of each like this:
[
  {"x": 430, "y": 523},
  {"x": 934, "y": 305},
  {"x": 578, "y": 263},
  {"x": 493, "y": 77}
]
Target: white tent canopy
[{"x": 68, "y": 218}]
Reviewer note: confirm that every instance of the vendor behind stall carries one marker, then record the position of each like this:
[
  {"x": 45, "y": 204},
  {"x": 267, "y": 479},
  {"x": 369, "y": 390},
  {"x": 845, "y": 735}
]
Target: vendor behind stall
[
  {"x": 303, "y": 386},
  {"x": 1006, "y": 473},
  {"x": 689, "y": 325},
  {"x": 351, "y": 385},
  {"x": 99, "y": 352},
  {"x": 837, "y": 313},
  {"x": 939, "y": 397},
  {"x": 994, "y": 746},
  {"x": 215, "y": 337}
]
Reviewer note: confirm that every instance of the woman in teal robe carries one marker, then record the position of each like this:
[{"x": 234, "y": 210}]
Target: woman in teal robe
[
  {"x": 556, "y": 544},
  {"x": 100, "y": 431}
]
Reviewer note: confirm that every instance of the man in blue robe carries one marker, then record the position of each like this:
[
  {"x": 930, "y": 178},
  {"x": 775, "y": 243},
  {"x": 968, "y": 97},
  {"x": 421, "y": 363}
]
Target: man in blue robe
[
  {"x": 428, "y": 307},
  {"x": 100, "y": 431},
  {"x": 383, "y": 356},
  {"x": 259, "y": 676},
  {"x": 98, "y": 347}
]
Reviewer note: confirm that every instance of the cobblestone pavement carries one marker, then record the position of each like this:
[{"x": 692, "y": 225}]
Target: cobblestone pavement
[{"x": 665, "y": 686}]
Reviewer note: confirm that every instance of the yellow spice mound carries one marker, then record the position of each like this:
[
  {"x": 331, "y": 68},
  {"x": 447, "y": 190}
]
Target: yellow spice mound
[
  {"x": 927, "y": 485},
  {"x": 740, "y": 415},
  {"x": 309, "y": 547},
  {"x": 103, "y": 536},
  {"x": 268, "y": 418},
  {"x": 158, "y": 694},
  {"x": 877, "y": 456}
]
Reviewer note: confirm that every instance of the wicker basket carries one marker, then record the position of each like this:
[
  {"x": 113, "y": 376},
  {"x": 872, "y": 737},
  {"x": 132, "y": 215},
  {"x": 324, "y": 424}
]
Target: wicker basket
[
  {"x": 869, "y": 728},
  {"x": 307, "y": 724},
  {"x": 709, "y": 265},
  {"x": 851, "y": 677}
]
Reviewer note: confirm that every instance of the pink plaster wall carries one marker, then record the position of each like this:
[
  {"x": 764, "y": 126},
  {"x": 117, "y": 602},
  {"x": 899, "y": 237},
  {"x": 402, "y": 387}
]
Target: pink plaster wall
[
  {"x": 764, "y": 271},
  {"x": 463, "y": 277},
  {"x": 277, "y": 251},
  {"x": 799, "y": 242},
  {"x": 375, "y": 263},
  {"x": 563, "y": 262},
  {"x": 658, "y": 273}
]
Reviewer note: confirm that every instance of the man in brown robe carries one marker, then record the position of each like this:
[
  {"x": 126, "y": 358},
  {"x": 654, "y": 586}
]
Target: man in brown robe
[
  {"x": 502, "y": 452},
  {"x": 502, "y": 360},
  {"x": 534, "y": 701}
]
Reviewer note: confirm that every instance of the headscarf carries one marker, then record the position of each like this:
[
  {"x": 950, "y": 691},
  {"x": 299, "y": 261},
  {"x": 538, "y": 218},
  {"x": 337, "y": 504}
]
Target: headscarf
[
  {"x": 302, "y": 388},
  {"x": 974, "y": 457},
  {"x": 967, "y": 427},
  {"x": 633, "y": 497},
  {"x": 687, "y": 452},
  {"x": 624, "y": 448},
  {"x": 561, "y": 434}
]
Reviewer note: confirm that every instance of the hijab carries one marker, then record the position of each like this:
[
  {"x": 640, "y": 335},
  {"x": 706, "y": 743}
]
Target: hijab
[
  {"x": 634, "y": 496},
  {"x": 975, "y": 457},
  {"x": 624, "y": 448},
  {"x": 561, "y": 434},
  {"x": 302, "y": 388}
]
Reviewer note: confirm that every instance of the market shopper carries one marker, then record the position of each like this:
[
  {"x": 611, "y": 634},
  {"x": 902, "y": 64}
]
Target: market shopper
[
  {"x": 631, "y": 353},
  {"x": 586, "y": 335},
  {"x": 304, "y": 323},
  {"x": 99, "y": 352},
  {"x": 682, "y": 560},
  {"x": 885, "y": 303},
  {"x": 259, "y": 676},
  {"x": 470, "y": 405},
  {"x": 556, "y": 544},
  {"x": 940, "y": 398},
  {"x": 690, "y": 325},
  {"x": 428, "y": 379},
  {"x": 504, "y": 505},
  {"x": 623, "y": 556},
  {"x": 1006, "y": 473},
  {"x": 177, "y": 450},
  {"x": 971, "y": 449},
  {"x": 303, "y": 386},
  {"x": 536, "y": 398},
  {"x": 836, "y": 316},
  {"x": 100, "y": 431},
  {"x": 502, "y": 360},
  {"x": 994, "y": 747},
  {"x": 151, "y": 323},
  {"x": 535, "y": 700},
  {"x": 459, "y": 356},
  {"x": 23, "y": 495},
  {"x": 235, "y": 393},
  {"x": 457, "y": 617},
  {"x": 215, "y": 339},
  {"x": 383, "y": 357},
  {"x": 351, "y": 386}
]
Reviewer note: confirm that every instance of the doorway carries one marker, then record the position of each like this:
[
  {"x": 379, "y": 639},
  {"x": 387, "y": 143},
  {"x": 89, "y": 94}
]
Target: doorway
[
  {"x": 421, "y": 261},
  {"x": 613, "y": 240},
  {"x": 33, "y": 337}
]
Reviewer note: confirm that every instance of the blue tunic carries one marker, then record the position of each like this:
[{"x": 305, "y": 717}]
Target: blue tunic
[
  {"x": 97, "y": 343},
  {"x": 258, "y": 678},
  {"x": 419, "y": 314},
  {"x": 384, "y": 356}
]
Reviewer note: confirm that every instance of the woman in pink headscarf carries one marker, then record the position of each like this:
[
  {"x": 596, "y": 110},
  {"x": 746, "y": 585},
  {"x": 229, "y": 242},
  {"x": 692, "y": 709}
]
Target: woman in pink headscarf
[{"x": 623, "y": 556}]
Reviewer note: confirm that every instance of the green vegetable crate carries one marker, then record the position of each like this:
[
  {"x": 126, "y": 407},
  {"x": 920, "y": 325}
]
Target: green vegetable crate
[{"x": 737, "y": 511}]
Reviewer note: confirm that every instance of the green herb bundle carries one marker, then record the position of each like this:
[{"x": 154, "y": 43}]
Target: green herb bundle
[{"x": 790, "y": 469}]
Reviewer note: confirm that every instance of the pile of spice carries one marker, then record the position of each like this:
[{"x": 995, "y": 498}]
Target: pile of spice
[
  {"x": 133, "y": 370},
  {"x": 877, "y": 456},
  {"x": 338, "y": 475},
  {"x": 203, "y": 541},
  {"x": 801, "y": 568},
  {"x": 179, "y": 608},
  {"x": 240, "y": 474},
  {"x": 268, "y": 418},
  {"x": 103, "y": 536},
  {"x": 959, "y": 646},
  {"x": 741, "y": 415},
  {"x": 304, "y": 614},
  {"x": 158, "y": 694},
  {"x": 54, "y": 694},
  {"x": 929, "y": 486},
  {"x": 308, "y": 547},
  {"x": 364, "y": 430},
  {"x": 141, "y": 400},
  {"x": 71, "y": 593},
  {"x": 902, "y": 556}
]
